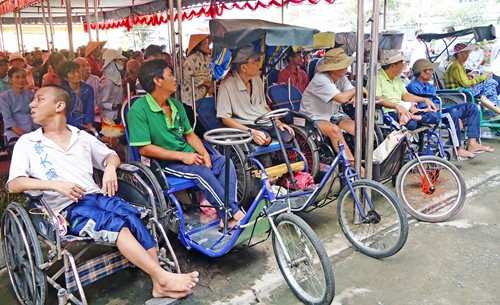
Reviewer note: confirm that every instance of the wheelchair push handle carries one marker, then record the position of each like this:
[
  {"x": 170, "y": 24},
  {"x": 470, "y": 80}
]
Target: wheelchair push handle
[
  {"x": 227, "y": 136},
  {"x": 272, "y": 115}
]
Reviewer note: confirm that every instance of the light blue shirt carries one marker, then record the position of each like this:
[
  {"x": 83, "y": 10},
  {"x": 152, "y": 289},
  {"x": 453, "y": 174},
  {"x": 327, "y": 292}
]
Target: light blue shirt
[{"x": 16, "y": 112}]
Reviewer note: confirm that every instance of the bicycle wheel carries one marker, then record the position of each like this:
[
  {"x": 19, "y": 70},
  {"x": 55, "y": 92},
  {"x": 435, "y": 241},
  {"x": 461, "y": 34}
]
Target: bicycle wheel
[
  {"x": 384, "y": 229},
  {"x": 308, "y": 272},
  {"x": 308, "y": 148},
  {"x": 436, "y": 200}
]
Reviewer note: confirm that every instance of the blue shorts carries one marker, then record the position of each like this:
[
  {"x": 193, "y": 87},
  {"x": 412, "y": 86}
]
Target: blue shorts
[{"x": 102, "y": 217}]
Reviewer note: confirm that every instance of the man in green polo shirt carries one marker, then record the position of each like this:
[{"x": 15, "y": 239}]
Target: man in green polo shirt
[
  {"x": 159, "y": 127},
  {"x": 396, "y": 100}
]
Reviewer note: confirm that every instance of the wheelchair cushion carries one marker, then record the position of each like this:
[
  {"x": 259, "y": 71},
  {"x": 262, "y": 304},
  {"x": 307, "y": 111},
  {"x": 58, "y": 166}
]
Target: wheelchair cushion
[{"x": 178, "y": 184}]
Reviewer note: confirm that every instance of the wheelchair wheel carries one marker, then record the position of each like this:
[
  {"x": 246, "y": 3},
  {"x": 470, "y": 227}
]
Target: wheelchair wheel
[
  {"x": 436, "y": 200},
  {"x": 383, "y": 230},
  {"x": 248, "y": 185},
  {"x": 308, "y": 147},
  {"x": 23, "y": 256},
  {"x": 308, "y": 272},
  {"x": 451, "y": 100},
  {"x": 164, "y": 210}
]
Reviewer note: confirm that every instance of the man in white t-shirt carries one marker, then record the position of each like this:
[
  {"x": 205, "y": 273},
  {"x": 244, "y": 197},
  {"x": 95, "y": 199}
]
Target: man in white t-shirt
[
  {"x": 326, "y": 93},
  {"x": 58, "y": 159}
]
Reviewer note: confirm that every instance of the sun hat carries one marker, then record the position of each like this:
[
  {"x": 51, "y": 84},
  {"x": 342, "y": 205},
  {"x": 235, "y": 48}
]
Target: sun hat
[
  {"x": 152, "y": 49},
  {"x": 391, "y": 56},
  {"x": 335, "y": 59},
  {"x": 92, "y": 45},
  {"x": 424, "y": 64},
  {"x": 462, "y": 47},
  {"x": 15, "y": 55},
  {"x": 112, "y": 54},
  {"x": 195, "y": 40},
  {"x": 246, "y": 53}
]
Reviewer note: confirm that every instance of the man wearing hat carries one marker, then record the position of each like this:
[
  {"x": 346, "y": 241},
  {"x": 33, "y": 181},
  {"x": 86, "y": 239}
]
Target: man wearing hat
[
  {"x": 4, "y": 78},
  {"x": 154, "y": 51},
  {"x": 93, "y": 55},
  {"x": 483, "y": 86},
  {"x": 394, "y": 96},
  {"x": 16, "y": 59},
  {"x": 326, "y": 93},
  {"x": 293, "y": 72},
  {"x": 241, "y": 99},
  {"x": 423, "y": 70}
]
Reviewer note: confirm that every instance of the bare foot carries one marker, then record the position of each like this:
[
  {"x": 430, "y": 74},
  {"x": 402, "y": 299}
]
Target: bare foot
[
  {"x": 234, "y": 220},
  {"x": 174, "y": 285},
  {"x": 462, "y": 153}
]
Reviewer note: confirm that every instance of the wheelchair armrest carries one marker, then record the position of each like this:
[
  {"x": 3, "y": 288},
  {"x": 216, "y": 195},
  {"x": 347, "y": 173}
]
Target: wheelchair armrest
[
  {"x": 33, "y": 194},
  {"x": 128, "y": 168},
  {"x": 427, "y": 95}
]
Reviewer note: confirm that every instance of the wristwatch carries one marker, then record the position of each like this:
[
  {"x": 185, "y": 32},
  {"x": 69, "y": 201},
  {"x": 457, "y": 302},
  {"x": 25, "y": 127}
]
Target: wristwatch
[{"x": 249, "y": 130}]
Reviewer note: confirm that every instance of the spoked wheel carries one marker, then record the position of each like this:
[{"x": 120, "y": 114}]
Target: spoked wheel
[
  {"x": 308, "y": 272},
  {"x": 432, "y": 190},
  {"x": 308, "y": 148},
  {"x": 23, "y": 256},
  {"x": 248, "y": 185},
  {"x": 451, "y": 100},
  {"x": 383, "y": 230},
  {"x": 135, "y": 188}
]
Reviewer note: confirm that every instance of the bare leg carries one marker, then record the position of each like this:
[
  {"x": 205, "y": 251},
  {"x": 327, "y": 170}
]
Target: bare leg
[
  {"x": 335, "y": 134},
  {"x": 165, "y": 284}
]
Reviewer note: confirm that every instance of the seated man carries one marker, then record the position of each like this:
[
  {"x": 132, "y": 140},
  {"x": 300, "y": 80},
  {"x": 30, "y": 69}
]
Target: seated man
[
  {"x": 14, "y": 104},
  {"x": 160, "y": 128},
  {"x": 326, "y": 93},
  {"x": 241, "y": 99},
  {"x": 293, "y": 71},
  {"x": 58, "y": 159},
  {"x": 483, "y": 86},
  {"x": 423, "y": 70},
  {"x": 396, "y": 100}
]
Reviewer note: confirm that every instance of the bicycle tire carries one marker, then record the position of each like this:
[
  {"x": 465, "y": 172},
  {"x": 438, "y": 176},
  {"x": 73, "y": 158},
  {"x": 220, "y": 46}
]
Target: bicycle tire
[
  {"x": 428, "y": 205},
  {"x": 287, "y": 225},
  {"x": 309, "y": 148},
  {"x": 382, "y": 232}
]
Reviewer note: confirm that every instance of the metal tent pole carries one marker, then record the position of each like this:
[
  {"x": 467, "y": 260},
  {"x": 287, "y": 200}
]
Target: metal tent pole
[
  {"x": 70, "y": 29},
  {"x": 51, "y": 27},
  {"x": 16, "y": 20},
  {"x": 1, "y": 35},
  {"x": 96, "y": 13},
  {"x": 45, "y": 25},
  {"x": 181, "y": 49},
  {"x": 385, "y": 15},
  {"x": 372, "y": 76},
  {"x": 359, "y": 86},
  {"x": 172, "y": 34},
  {"x": 87, "y": 15}
]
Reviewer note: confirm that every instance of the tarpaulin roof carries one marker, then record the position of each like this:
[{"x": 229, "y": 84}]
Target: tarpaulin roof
[
  {"x": 126, "y": 13},
  {"x": 480, "y": 33}
]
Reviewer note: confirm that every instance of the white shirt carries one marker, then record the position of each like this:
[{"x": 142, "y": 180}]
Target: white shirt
[
  {"x": 317, "y": 100},
  {"x": 38, "y": 157}
]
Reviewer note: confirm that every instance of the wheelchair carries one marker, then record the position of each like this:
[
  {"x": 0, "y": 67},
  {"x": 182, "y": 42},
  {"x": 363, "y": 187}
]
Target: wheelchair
[
  {"x": 37, "y": 254},
  {"x": 251, "y": 160}
]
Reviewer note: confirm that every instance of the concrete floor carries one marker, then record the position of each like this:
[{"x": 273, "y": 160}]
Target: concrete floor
[{"x": 454, "y": 262}]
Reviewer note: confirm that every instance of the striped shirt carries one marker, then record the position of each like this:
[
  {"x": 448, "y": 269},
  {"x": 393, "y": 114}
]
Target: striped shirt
[{"x": 456, "y": 77}]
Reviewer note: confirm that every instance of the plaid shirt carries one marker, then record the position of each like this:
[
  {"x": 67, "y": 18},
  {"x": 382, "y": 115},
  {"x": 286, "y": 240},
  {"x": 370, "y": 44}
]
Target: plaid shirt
[{"x": 456, "y": 77}]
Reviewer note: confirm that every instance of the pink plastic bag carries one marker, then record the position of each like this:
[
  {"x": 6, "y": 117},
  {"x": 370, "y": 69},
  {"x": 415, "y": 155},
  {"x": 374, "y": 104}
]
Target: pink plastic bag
[{"x": 304, "y": 180}]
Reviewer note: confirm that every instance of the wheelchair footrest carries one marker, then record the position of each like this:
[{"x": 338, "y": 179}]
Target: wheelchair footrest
[
  {"x": 95, "y": 269},
  {"x": 277, "y": 171}
]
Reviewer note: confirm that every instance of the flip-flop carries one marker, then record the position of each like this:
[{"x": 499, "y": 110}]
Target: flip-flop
[
  {"x": 477, "y": 151},
  {"x": 489, "y": 149}
]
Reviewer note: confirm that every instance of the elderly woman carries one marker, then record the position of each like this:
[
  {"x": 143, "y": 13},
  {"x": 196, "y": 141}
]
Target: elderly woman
[
  {"x": 52, "y": 77},
  {"x": 14, "y": 104},
  {"x": 483, "y": 86},
  {"x": 81, "y": 114},
  {"x": 93, "y": 56},
  {"x": 16, "y": 59},
  {"x": 110, "y": 90},
  {"x": 195, "y": 68}
]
